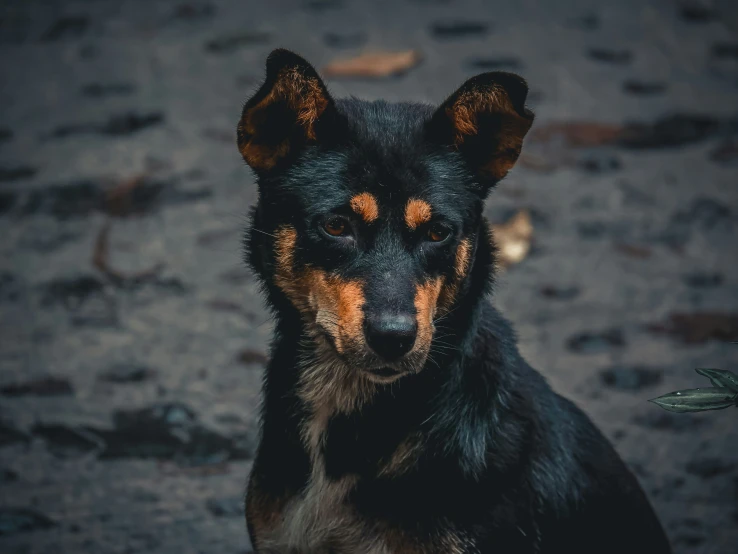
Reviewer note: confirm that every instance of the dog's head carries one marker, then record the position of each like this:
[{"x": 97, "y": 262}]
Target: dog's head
[{"x": 369, "y": 213}]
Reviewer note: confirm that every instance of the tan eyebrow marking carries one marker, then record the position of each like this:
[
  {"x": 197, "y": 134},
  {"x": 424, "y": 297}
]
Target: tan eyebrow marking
[
  {"x": 417, "y": 212},
  {"x": 366, "y": 206},
  {"x": 462, "y": 258}
]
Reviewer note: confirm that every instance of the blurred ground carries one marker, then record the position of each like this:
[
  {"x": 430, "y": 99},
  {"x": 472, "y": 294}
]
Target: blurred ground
[{"x": 129, "y": 386}]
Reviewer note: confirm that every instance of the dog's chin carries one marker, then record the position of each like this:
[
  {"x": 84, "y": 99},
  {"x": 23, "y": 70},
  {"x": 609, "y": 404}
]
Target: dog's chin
[{"x": 383, "y": 375}]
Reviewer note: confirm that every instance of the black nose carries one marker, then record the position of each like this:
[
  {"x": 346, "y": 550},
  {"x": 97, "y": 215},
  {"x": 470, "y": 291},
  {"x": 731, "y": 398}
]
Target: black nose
[{"x": 390, "y": 335}]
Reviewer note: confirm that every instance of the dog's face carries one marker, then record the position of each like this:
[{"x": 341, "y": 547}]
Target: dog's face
[{"x": 369, "y": 213}]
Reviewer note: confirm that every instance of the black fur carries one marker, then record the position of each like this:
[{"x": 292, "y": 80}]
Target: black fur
[{"x": 506, "y": 461}]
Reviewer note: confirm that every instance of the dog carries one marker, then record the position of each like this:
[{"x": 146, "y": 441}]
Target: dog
[{"x": 398, "y": 414}]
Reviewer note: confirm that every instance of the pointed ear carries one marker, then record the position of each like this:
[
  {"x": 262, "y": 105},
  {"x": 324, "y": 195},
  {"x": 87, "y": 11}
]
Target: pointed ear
[
  {"x": 285, "y": 113},
  {"x": 485, "y": 120}
]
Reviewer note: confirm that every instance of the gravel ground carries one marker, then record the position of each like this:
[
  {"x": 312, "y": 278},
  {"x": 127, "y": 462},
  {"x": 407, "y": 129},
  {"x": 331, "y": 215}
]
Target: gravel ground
[{"x": 132, "y": 338}]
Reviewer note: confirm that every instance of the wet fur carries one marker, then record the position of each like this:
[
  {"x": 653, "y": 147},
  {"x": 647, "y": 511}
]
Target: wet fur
[{"x": 472, "y": 454}]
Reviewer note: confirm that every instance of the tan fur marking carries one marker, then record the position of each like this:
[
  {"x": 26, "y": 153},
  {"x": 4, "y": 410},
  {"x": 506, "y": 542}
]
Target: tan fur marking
[
  {"x": 337, "y": 306},
  {"x": 331, "y": 302},
  {"x": 350, "y": 313},
  {"x": 417, "y": 212},
  {"x": 319, "y": 520},
  {"x": 284, "y": 255},
  {"x": 404, "y": 456},
  {"x": 463, "y": 255},
  {"x": 463, "y": 114},
  {"x": 366, "y": 206},
  {"x": 262, "y": 156},
  {"x": 426, "y": 305},
  {"x": 303, "y": 95}
]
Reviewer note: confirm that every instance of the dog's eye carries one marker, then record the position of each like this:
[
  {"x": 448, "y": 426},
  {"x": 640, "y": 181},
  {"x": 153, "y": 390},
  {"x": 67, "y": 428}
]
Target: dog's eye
[
  {"x": 438, "y": 232},
  {"x": 336, "y": 227}
]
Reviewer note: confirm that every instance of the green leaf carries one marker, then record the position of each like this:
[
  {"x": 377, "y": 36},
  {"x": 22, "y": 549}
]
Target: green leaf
[
  {"x": 720, "y": 378},
  {"x": 696, "y": 400}
]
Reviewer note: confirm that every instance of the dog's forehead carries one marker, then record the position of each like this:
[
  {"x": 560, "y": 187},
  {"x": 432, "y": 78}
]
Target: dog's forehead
[
  {"x": 389, "y": 155},
  {"x": 384, "y": 166},
  {"x": 387, "y": 123},
  {"x": 387, "y": 146}
]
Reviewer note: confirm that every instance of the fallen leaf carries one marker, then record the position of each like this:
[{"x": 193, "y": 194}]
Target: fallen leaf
[
  {"x": 699, "y": 327},
  {"x": 696, "y": 400},
  {"x": 101, "y": 260},
  {"x": 721, "y": 378},
  {"x": 670, "y": 131},
  {"x": 546, "y": 161},
  {"x": 513, "y": 238},
  {"x": 578, "y": 134},
  {"x": 373, "y": 64}
]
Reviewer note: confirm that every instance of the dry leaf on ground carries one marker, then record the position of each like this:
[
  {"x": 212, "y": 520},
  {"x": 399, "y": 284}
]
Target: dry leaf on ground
[
  {"x": 373, "y": 64},
  {"x": 546, "y": 160},
  {"x": 101, "y": 261},
  {"x": 513, "y": 238},
  {"x": 699, "y": 327},
  {"x": 578, "y": 134}
]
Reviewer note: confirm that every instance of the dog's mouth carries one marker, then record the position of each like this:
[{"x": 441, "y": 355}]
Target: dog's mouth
[
  {"x": 383, "y": 374},
  {"x": 370, "y": 367}
]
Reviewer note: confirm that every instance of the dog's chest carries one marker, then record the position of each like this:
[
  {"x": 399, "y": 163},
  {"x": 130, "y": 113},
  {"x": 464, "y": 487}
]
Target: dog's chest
[{"x": 320, "y": 520}]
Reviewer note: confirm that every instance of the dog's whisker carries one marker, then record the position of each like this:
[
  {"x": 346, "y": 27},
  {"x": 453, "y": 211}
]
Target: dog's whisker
[{"x": 264, "y": 232}]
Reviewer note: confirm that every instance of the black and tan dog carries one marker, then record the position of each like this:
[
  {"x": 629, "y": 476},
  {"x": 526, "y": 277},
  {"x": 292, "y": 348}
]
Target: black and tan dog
[{"x": 398, "y": 415}]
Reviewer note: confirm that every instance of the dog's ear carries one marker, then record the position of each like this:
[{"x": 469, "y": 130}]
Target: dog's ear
[
  {"x": 485, "y": 120},
  {"x": 285, "y": 113}
]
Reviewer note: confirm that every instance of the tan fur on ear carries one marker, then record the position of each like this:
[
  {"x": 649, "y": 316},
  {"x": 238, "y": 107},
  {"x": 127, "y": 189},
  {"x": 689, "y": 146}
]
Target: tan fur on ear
[
  {"x": 463, "y": 112},
  {"x": 303, "y": 95},
  {"x": 464, "y": 115}
]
